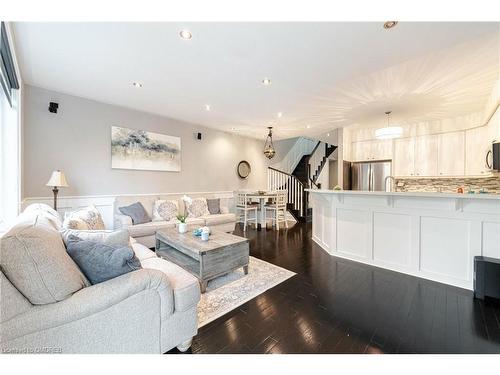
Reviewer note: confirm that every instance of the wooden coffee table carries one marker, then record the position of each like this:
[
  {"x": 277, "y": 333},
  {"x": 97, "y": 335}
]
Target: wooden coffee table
[{"x": 206, "y": 260}]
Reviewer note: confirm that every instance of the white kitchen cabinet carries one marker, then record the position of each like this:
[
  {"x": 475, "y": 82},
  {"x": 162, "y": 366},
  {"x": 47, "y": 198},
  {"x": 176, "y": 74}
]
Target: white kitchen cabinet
[
  {"x": 361, "y": 151},
  {"x": 426, "y": 155},
  {"x": 382, "y": 149},
  {"x": 371, "y": 150},
  {"x": 404, "y": 157},
  {"x": 451, "y": 154},
  {"x": 477, "y": 144}
]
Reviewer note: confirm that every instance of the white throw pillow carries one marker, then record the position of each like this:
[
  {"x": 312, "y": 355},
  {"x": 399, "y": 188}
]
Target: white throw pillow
[
  {"x": 48, "y": 212},
  {"x": 165, "y": 210},
  {"x": 88, "y": 218},
  {"x": 197, "y": 207}
]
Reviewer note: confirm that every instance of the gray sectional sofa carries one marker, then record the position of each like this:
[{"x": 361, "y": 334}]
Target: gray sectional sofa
[
  {"x": 145, "y": 233},
  {"x": 47, "y": 304}
]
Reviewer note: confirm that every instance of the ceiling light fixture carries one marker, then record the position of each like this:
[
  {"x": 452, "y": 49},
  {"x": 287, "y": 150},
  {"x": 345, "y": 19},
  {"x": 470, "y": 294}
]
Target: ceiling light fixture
[
  {"x": 208, "y": 107},
  {"x": 266, "y": 81},
  {"x": 308, "y": 126},
  {"x": 185, "y": 34},
  {"x": 137, "y": 84},
  {"x": 390, "y": 24},
  {"x": 389, "y": 132},
  {"x": 280, "y": 114},
  {"x": 269, "y": 150},
  {"x": 327, "y": 134}
]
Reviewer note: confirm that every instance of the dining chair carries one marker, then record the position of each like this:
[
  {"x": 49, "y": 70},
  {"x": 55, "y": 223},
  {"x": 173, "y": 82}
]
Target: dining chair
[
  {"x": 244, "y": 207},
  {"x": 278, "y": 209}
]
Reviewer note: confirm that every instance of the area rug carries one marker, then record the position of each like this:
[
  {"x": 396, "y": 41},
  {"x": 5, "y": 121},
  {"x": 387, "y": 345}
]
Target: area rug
[{"x": 227, "y": 292}]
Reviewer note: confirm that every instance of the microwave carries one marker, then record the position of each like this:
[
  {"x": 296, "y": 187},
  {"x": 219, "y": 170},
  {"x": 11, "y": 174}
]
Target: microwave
[{"x": 496, "y": 156}]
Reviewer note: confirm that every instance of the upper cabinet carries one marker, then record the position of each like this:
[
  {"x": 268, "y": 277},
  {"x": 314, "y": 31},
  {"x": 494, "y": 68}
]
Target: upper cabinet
[
  {"x": 477, "y": 145},
  {"x": 404, "y": 157},
  {"x": 371, "y": 150},
  {"x": 451, "y": 154},
  {"x": 361, "y": 151},
  {"x": 426, "y": 155}
]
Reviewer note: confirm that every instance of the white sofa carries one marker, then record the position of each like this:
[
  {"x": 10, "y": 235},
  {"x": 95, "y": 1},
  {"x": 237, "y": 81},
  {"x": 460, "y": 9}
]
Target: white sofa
[
  {"x": 46, "y": 302},
  {"x": 145, "y": 233}
]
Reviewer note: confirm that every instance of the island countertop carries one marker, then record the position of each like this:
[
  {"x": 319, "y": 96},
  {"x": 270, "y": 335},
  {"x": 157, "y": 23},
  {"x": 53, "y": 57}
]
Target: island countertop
[{"x": 409, "y": 194}]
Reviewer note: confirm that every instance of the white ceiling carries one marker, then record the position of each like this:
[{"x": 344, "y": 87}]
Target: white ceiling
[{"x": 324, "y": 75}]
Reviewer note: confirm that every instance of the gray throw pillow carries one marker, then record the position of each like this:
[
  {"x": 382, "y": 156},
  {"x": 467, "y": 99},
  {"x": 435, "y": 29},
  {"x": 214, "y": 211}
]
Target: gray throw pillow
[
  {"x": 107, "y": 237},
  {"x": 213, "y": 206},
  {"x": 136, "y": 212},
  {"x": 100, "y": 262}
]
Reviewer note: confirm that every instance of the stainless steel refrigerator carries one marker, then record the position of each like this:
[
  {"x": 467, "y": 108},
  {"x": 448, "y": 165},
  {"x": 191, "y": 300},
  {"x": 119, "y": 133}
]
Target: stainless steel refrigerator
[{"x": 370, "y": 176}]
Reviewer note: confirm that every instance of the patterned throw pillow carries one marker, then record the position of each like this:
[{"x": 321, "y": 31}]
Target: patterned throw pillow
[
  {"x": 88, "y": 218},
  {"x": 197, "y": 207},
  {"x": 165, "y": 210}
]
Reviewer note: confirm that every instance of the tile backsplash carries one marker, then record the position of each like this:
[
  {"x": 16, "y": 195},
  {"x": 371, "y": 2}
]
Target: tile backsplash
[{"x": 449, "y": 185}]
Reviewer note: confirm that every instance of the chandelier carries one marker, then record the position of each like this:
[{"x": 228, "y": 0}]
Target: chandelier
[
  {"x": 269, "y": 150},
  {"x": 389, "y": 132}
]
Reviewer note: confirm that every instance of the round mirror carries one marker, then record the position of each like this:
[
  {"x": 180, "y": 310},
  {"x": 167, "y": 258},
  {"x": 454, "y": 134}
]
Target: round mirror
[{"x": 244, "y": 169}]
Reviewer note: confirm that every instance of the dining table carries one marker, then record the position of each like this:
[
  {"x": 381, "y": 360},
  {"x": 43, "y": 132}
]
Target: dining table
[{"x": 262, "y": 196}]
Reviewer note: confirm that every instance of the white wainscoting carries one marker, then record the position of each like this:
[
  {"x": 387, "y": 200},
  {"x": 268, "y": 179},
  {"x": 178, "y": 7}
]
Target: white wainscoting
[
  {"x": 106, "y": 203},
  {"x": 433, "y": 237}
]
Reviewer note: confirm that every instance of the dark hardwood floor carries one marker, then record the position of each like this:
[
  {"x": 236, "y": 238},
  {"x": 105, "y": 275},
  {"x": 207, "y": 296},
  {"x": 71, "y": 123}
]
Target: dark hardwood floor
[{"x": 338, "y": 306}]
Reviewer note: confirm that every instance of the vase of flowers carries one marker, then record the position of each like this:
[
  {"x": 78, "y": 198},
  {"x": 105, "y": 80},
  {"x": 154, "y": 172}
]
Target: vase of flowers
[{"x": 182, "y": 224}]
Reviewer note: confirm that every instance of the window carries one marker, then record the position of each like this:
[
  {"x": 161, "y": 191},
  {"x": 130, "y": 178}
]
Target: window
[
  {"x": 7, "y": 71},
  {"x": 9, "y": 134}
]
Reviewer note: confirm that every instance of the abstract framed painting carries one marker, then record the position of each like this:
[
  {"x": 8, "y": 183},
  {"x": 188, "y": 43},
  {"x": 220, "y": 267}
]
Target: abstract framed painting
[{"x": 144, "y": 150}]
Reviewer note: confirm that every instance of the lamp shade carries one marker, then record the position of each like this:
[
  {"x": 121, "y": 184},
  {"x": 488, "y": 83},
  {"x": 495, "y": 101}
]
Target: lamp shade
[{"x": 57, "y": 179}]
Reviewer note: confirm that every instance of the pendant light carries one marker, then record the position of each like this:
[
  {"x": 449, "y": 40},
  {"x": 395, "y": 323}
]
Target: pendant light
[
  {"x": 389, "y": 132},
  {"x": 269, "y": 150}
]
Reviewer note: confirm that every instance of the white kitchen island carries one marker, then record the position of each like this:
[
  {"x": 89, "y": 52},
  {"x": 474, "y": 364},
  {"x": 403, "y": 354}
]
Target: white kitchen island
[{"x": 430, "y": 235}]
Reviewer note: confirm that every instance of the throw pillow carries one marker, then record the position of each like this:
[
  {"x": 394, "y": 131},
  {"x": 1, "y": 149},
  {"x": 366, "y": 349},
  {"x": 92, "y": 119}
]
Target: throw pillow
[
  {"x": 107, "y": 237},
  {"x": 165, "y": 210},
  {"x": 213, "y": 206},
  {"x": 137, "y": 213},
  {"x": 34, "y": 259},
  {"x": 100, "y": 262},
  {"x": 197, "y": 207},
  {"x": 88, "y": 218},
  {"x": 48, "y": 212}
]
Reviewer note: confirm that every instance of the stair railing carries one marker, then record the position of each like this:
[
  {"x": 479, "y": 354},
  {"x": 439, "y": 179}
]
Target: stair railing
[
  {"x": 279, "y": 180},
  {"x": 316, "y": 160}
]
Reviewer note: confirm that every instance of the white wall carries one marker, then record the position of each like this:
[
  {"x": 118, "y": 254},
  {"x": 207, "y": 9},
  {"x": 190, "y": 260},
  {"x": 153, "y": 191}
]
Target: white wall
[{"x": 77, "y": 141}]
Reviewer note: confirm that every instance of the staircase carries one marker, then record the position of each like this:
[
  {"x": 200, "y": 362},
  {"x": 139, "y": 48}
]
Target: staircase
[
  {"x": 318, "y": 160},
  {"x": 305, "y": 175},
  {"x": 302, "y": 146}
]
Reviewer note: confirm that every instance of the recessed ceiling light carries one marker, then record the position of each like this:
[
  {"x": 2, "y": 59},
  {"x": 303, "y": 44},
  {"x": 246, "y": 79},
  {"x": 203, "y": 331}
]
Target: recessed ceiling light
[
  {"x": 207, "y": 107},
  {"x": 185, "y": 34},
  {"x": 137, "y": 84},
  {"x": 280, "y": 114},
  {"x": 266, "y": 81},
  {"x": 390, "y": 24},
  {"x": 327, "y": 134},
  {"x": 308, "y": 126}
]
